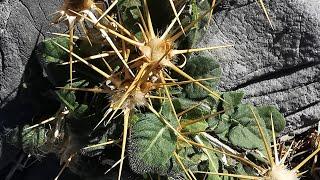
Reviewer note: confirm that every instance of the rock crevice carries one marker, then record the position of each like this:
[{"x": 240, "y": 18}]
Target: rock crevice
[{"x": 280, "y": 66}]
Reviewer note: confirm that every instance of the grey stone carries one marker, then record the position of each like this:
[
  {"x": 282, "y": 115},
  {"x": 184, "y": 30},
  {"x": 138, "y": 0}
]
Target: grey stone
[
  {"x": 280, "y": 66},
  {"x": 23, "y": 23}
]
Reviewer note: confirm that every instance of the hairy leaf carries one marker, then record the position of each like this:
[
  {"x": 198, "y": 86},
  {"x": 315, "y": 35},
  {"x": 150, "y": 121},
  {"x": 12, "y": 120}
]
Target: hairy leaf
[
  {"x": 193, "y": 111},
  {"x": 52, "y": 56},
  {"x": 51, "y": 52},
  {"x": 152, "y": 143},
  {"x": 232, "y": 100},
  {"x": 242, "y": 137},
  {"x": 195, "y": 34},
  {"x": 213, "y": 161},
  {"x": 278, "y": 119},
  {"x": 246, "y": 134},
  {"x": 200, "y": 67},
  {"x": 238, "y": 124},
  {"x": 129, "y": 12},
  {"x": 68, "y": 98},
  {"x": 31, "y": 141}
]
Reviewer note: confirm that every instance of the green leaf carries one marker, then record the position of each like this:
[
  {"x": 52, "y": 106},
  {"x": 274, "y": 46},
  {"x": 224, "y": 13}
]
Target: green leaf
[
  {"x": 198, "y": 110},
  {"x": 32, "y": 141},
  {"x": 189, "y": 158},
  {"x": 238, "y": 124},
  {"x": 51, "y": 52},
  {"x": 182, "y": 104},
  {"x": 213, "y": 161},
  {"x": 68, "y": 98},
  {"x": 242, "y": 137},
  {"x": 79, "y": 112},
  {"x": 51, "y": 56},
  {"x": 195, "y": 34},
  {"x": 168, "y": 114},
  {"x": 223, "y": 124},
  {"x": 152, "y": 143},
  {"x": 278, "y": 119},
  {"x": 245, "y": 170},
  {"x": 232, "y": 100},
  {"x": 211, "y": 102},
  {"x": 129, "y": 3},
  {"x": 197, "y": 127},
  {"x": 246, "y": 134},
  {"x": 129, "y": 13},
  {"x": 200, "y": 67},
  {"x": 239, "y": 169},
  {"x": 77, "y": 109}
]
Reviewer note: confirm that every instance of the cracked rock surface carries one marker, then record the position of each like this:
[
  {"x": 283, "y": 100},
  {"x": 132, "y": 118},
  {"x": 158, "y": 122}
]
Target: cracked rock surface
[
  {"x": 23, "y": 23},
  {"x": 280, "y": 66}
]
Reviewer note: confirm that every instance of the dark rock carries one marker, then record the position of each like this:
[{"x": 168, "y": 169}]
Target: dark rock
[
  {"x": 23, "y": 23},
  {"x": 47, "y": 168},
  {"x": 1, "y": 146},
  {"x": 280, "y": 66}
]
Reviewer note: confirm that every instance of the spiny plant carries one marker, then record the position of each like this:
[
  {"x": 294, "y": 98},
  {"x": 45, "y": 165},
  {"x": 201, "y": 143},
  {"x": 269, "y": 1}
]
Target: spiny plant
[
  {"x": 75, "y": 11},
  {"x": 156, "y": 54},
  {"x": 177, "y": 124},
  {"x": 127, "y": 97}
]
